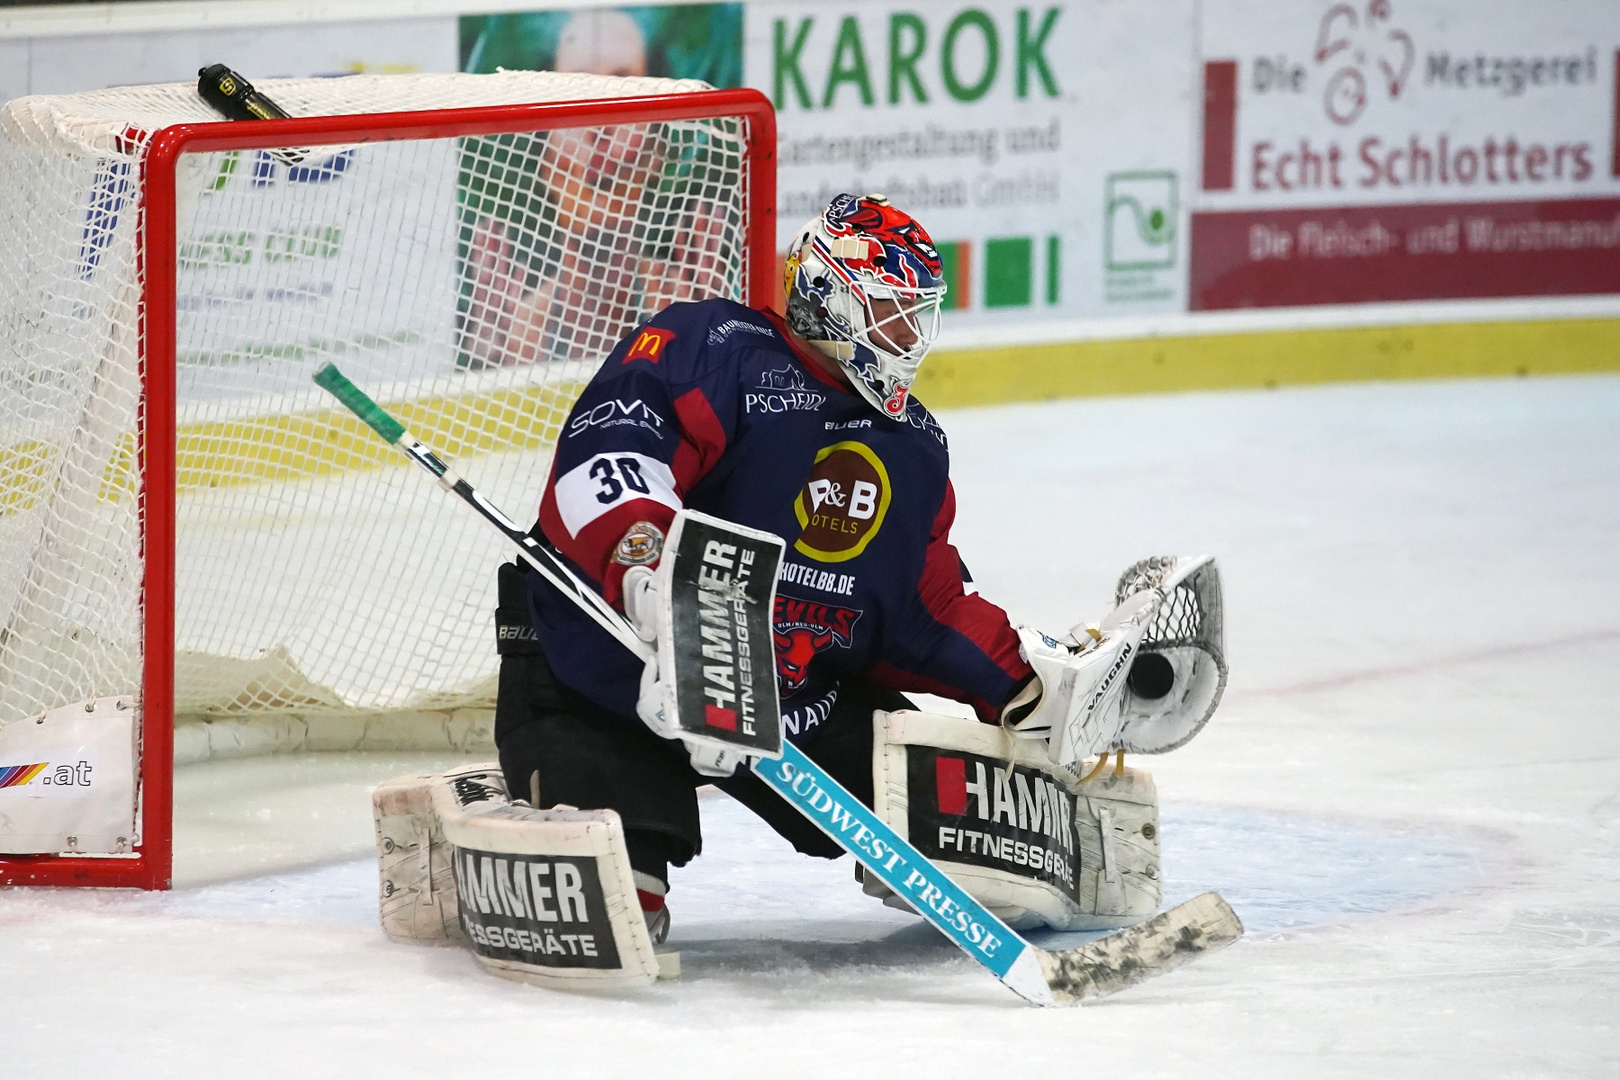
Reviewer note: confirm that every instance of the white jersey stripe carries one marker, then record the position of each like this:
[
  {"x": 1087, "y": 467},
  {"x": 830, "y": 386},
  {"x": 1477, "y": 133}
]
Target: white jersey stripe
[{"x": 591, "y": 489}]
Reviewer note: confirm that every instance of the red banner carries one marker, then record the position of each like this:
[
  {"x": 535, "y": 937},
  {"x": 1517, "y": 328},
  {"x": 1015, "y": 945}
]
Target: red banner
[{"x": 1425, "y": 251}]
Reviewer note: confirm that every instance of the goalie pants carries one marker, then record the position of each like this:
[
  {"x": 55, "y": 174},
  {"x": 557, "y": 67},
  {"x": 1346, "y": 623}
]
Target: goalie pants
[{"x": 557, "y": 747}]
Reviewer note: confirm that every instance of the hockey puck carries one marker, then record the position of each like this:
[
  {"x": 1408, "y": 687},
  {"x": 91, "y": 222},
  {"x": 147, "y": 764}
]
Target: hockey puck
[{"x": 1151, "y": 676}]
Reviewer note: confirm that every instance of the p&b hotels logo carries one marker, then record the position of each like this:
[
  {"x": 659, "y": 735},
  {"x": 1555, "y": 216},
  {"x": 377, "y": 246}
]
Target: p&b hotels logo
[{"x": 843, "y": 502}]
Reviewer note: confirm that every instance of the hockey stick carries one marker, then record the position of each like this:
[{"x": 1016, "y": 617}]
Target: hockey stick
[
  {"x": 1066, "y": 977},
  {"x": 333, "y": 381},
  {"x": 1045, "y": 977}
]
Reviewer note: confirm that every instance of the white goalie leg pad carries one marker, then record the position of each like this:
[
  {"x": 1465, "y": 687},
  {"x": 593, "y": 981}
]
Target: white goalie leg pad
[
  {"x": 1037, "y": 844},
  {"x": 67, "y": 780},
  {"x": 546, "y": 896},
  {"x": 1176, "y": 681},
  {"x": 417, "y": 894}
]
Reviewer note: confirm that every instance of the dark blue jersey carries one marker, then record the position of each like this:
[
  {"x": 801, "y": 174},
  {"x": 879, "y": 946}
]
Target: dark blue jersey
[{"x": 709, "y": 405}]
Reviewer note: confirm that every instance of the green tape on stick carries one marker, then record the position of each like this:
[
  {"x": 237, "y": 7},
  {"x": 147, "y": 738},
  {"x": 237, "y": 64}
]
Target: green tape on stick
[{"x": 330, "y": 379}]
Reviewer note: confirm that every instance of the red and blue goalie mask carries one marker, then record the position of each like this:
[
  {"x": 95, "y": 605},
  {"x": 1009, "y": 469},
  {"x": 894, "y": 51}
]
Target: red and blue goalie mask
[{"x": 864, "y": 284}]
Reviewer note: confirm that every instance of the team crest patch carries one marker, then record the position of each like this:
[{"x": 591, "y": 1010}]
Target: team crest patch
[
  {"x": 641, "y": 545},
  {"x": 649, "y": 344},
  {"x": 843, "y": 502},
  {"x": 802, "y": 628}
]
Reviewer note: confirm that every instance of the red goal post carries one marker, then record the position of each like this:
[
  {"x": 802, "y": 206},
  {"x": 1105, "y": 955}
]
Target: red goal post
[{"x": 158, "y": 258}]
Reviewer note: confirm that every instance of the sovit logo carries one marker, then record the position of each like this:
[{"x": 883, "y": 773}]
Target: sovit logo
[
  {"x": 800, "y": 630},
  {"x": 965, "y": 808},
  {"x": 843, "y": 502},
  {"x": 618, "y": 413}
]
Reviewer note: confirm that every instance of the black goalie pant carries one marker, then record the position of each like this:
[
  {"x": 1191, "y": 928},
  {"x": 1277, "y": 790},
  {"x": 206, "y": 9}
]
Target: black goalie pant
[{"x": 557, "y": 748}]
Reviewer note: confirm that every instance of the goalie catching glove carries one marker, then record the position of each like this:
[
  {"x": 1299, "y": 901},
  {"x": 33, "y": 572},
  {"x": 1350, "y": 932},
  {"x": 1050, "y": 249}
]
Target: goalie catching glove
[
  {"x": 1145, "y": 679},
  {"x": 1179, "y": 674}
]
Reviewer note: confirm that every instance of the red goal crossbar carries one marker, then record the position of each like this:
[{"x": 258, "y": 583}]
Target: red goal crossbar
[{"x": 151, "y": 864}]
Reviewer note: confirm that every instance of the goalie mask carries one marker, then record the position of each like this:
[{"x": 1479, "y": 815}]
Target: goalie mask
[{"x": 864, "y": 285}]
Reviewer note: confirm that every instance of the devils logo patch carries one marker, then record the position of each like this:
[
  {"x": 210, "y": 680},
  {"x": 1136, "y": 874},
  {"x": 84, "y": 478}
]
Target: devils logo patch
[{"x": 803, "y": 628}]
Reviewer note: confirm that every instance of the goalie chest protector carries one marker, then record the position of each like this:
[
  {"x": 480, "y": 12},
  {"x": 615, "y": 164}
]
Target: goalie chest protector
[
  {"x": 1032, "y": 844},
  {"x": 710, "y": 407}
]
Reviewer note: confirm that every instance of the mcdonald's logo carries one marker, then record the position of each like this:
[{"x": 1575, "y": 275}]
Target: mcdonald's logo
[{"x": 649, "y": 344}]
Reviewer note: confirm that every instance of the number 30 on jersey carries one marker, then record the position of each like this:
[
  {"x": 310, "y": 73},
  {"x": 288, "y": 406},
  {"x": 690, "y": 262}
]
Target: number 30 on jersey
[{"x": 606, "y": 481}]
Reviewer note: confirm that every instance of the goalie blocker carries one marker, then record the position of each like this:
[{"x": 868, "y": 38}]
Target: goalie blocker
[
  {"x": 706, "y": 612},
  {"x": 539, "y": 896},
  {"x": 717, "y": 587},
  {"x": 1036, "y": 844}
]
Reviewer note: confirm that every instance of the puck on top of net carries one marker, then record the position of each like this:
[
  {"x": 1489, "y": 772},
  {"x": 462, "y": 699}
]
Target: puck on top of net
[{"x": 233, "y": 97}]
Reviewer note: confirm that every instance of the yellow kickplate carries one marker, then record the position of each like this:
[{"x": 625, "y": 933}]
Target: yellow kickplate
[{"x": 963, "y": 378}]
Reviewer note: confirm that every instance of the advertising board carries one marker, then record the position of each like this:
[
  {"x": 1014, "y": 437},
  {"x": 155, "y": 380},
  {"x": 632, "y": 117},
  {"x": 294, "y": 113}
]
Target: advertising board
[
  {"x": 1080, "y": 163},
  {"x": 1406, "y": 150}
]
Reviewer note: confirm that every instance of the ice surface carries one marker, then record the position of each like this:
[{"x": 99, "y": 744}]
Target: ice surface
[{"x": 1411, "y": 795}]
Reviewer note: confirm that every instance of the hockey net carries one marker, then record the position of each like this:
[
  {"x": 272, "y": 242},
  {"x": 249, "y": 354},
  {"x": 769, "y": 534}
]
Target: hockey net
[{"x": 184, "y": 516}]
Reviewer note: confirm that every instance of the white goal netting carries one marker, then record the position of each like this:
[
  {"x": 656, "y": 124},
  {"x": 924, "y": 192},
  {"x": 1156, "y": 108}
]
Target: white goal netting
[{"x": 470, "y": 284}]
